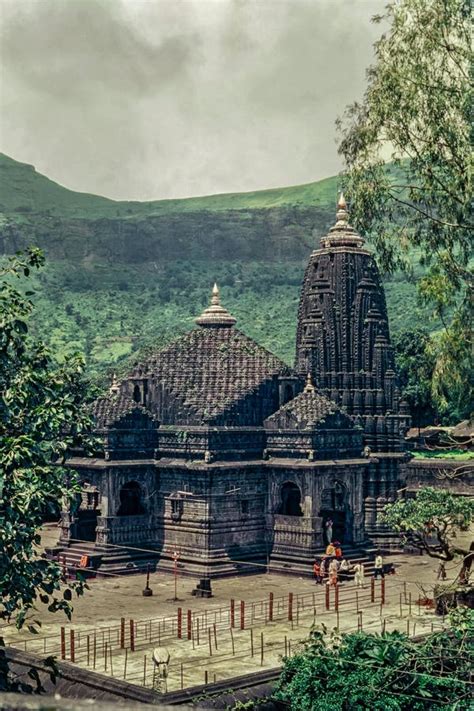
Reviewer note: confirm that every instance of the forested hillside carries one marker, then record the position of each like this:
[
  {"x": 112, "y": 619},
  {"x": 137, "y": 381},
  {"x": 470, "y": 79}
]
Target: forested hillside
[{"x": 122, "y": 276}]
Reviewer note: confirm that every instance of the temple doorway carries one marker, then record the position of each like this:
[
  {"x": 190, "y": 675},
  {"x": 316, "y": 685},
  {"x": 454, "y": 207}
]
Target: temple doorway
[
  {"x": 335, "y": 514},
  {"x": 290, "y": 500},
  {"x": 86, "y": 524},
  {"x": 131, "y": 500},
  {"x": 87, "y": 511}
]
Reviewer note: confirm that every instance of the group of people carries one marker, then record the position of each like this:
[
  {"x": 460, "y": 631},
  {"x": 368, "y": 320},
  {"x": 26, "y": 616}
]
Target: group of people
[{"x": 333, "y": 568}]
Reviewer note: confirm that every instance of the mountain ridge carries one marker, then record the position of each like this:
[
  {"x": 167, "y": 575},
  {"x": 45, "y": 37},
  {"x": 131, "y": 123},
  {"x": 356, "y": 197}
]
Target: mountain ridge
[{"x": 116, "y": 282}]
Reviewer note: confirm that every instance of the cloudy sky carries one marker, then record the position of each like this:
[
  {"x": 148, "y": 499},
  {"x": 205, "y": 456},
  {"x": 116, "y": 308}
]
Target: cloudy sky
[{"x": 146, "y": 99}]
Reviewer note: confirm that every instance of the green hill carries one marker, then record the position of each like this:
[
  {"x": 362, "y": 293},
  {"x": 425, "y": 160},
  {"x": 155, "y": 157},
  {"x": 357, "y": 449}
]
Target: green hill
[
  {"x": 23, "y": 190},
  {"x": 121, "y": 276}
]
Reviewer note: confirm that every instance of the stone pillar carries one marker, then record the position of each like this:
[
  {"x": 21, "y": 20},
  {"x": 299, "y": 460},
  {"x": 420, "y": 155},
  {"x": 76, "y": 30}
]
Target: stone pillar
[{"x": 104, "y": 530}]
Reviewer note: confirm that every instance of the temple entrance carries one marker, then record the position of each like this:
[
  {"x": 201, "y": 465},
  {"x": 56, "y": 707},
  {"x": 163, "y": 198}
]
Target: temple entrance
[
  {"x": 290, "y": 504},
  {"x": 335, "y": 514},
  {"x": 131, "y": 500},
  {"x": 86, "y": 524},
  {"x": 86, "y": 510}
]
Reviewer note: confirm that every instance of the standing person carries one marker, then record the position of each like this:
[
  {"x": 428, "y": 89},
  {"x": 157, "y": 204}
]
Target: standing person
[
  {"x": 344, "y": 569},
  {"x": 323, "y": 569},
  {"x": 441, "y": 572},
  {"x": 359, "y": 575},
  {"x": 329, "y": 530},
  {"x": 333, "y": 572},
  {"x": 317, "y": 572},
  {"x": 378, "y": 570}
]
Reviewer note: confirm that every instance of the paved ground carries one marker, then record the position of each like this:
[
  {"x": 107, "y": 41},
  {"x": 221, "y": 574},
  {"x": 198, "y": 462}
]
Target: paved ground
[{"x": 97, "y": 615}]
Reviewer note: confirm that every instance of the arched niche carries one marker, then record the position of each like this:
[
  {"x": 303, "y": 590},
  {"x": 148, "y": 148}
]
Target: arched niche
[
  {"x": 290, "y": 500},
  {"x": 137, "y": 395}
]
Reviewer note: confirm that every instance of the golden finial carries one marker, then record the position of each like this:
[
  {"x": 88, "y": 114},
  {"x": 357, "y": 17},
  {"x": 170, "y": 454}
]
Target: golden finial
[
  {"x": 309, "y": 387},
  {"x": 342, "y": 234},
  {"x": 215, "y": 314},
  {"x": 215, "y": 298},
  {"x": 342, "y": 214},
  {"x": 114, "y": 387}
]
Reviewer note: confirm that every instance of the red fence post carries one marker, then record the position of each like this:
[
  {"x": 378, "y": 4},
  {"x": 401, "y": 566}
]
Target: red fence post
[
  {"x": 232, "y": 613},
  {"x": 290, "y": 607},
  {"x": 132, "y": 636},
  {"x": 372, "y": 589},
  {"x": 63, "y": 643},
  {"x": 327, "y": 596},
  {"x": 382, "y": 591},
  {"x": 270, "y": 608},
  {"x": 72, "y": 646},
  {"x": 122, "y": 632},
  {"x": 242, "y": 615},
  {"x": 180, "y": 623},
  {"x": 190, "y": 624},
  {"x": 336, "y": 598}
]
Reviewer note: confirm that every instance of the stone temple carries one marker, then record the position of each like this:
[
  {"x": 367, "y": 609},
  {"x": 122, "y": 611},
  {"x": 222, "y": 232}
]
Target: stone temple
[{"x": 215, "y": 451}]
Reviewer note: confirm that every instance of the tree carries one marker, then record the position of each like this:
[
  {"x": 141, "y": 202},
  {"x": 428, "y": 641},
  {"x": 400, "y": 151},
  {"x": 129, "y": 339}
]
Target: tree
[
  {"x": 415, "y": 364},
  {"x": 431, "y": 521},
  {"x": 418, "y": 113},
  {"x": 357, "y": 671},
  {"x": 42, "y": 416}
]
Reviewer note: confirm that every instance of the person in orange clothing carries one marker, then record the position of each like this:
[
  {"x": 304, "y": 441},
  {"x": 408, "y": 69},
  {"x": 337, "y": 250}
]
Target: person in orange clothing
[
  {"x": 337, "y": 550},
  {"x": 330, "y": 550},
  {"x": 317, "y": 572}
]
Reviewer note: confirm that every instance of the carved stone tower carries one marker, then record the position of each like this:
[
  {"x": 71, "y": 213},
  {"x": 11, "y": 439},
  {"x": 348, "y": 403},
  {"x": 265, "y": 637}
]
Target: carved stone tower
[{"x": 343, "y": 341}]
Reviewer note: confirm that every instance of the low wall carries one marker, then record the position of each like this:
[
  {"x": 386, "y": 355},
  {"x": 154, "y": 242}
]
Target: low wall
[{"x": 455, "y": 475}]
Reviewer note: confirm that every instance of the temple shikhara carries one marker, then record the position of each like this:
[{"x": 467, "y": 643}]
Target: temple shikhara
[{"x": 215, "y": 451}]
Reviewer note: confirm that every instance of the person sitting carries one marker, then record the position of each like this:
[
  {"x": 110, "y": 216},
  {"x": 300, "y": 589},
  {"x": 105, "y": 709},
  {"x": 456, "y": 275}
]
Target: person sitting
[{"x": 337, "y": 549}]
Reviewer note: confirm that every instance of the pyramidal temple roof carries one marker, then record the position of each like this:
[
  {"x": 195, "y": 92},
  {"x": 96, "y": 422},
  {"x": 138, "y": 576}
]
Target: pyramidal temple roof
[
  {"x": 111, "y": 408},
  {"x": 213, "y": 367},
  {"x": 306, "y": 411}
]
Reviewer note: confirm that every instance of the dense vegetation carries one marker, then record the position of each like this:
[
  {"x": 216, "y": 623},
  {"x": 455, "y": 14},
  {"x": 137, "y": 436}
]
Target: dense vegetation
[
  {"x": 122, "y": 276},
  {"x": 382, "y": 672},
  {"x": 41, "y": 418}
]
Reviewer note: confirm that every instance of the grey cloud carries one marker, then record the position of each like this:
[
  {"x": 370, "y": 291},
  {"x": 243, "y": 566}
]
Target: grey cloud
[{"x": 137, "y": 99}]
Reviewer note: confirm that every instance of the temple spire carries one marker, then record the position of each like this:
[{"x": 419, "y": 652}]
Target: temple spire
[{"x": 215, "y": 314}]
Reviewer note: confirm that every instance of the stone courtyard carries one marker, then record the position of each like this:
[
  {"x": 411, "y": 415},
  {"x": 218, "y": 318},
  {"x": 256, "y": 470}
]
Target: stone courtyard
[{"x": 212, "y": 645}]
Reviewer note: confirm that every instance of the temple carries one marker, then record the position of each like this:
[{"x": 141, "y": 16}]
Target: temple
[{"x": 217, "y": 453}]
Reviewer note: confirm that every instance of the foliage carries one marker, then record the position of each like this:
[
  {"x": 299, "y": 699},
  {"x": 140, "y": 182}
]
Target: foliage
[
  {"x": 83, "y": 308},
  {"x": 417, "y": 112},
  {"x": 415, "y": 364},
  {"x": 41, "y": 418},
  {"x": 457, "y": 454},
  {"x": 431, "y": 521},
  {"x": 380, "y": 672}
]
